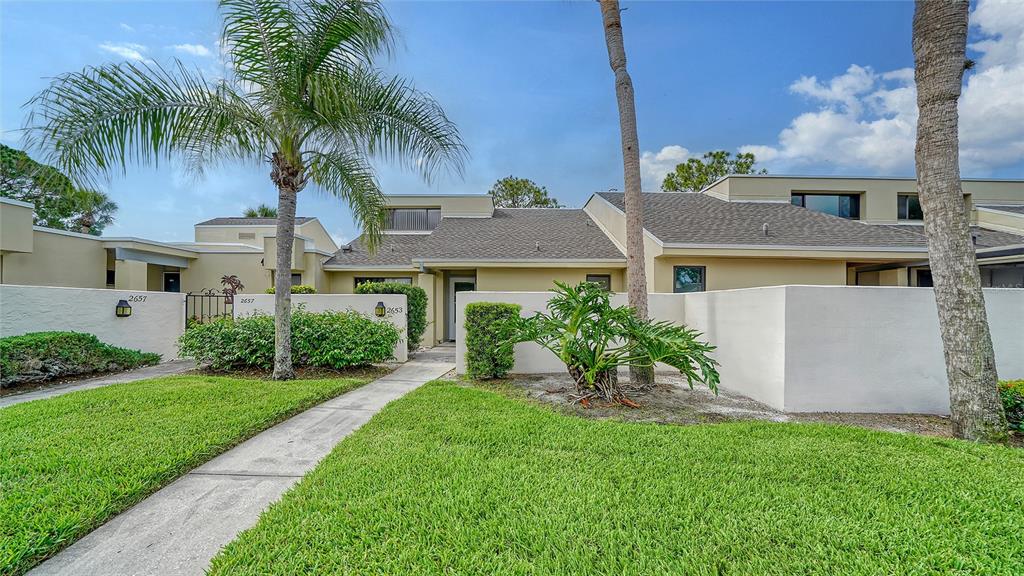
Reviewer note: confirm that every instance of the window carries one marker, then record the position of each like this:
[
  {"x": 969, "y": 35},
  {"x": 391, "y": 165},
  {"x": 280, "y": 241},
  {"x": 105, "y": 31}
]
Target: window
[
  {"x": 110, "y": 277},
  {"x": 402, "y": 280},
  {"x": 296, "y": 279},
  {"x": 908, "y": 207},
  {"x": 842, "y": 205},
  {"x": 605, "y": 280},
  {"x": 412, "y": 219},
  {"x": 246, "y": 235},
  {"x": 687, "y": 279}
]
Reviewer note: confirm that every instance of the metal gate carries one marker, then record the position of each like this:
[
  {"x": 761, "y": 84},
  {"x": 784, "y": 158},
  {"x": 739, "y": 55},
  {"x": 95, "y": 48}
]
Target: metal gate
[{"x": 208, "y": 305}]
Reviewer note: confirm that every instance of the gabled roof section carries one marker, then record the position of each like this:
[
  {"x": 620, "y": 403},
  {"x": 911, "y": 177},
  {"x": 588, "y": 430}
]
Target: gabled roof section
[
  {"x": 510, "y": 235},
  {"x": 241, "y": 221},
  {"x": 699, "y": 219}
]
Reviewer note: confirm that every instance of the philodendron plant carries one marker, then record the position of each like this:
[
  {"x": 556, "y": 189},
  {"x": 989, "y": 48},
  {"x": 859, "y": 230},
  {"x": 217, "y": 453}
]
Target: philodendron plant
[{"x": 593, "y": 339}]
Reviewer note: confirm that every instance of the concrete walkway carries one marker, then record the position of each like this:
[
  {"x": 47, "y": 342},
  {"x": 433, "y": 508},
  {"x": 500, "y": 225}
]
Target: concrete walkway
[
  {"x": 164, "y": 369},
  {"x": 179, "y": 529}
]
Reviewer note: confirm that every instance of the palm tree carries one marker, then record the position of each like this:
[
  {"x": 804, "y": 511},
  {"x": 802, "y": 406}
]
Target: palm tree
[
  {"x": 302, "y": 95},
  {"x": 636, "y": 276},
  {"x": 940, "y": 46},
  {"x": 261, "y": 211}
]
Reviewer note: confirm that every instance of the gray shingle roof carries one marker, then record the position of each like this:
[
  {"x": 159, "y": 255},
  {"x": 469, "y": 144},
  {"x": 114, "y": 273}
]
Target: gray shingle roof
[
  {"x": 983, "y": 237},
  {"x": 1013, "y": 209},
  {"x": 509, "y": 235},
  {"x": 681, "y": 218},
  {"x": 240, "y": 221}
]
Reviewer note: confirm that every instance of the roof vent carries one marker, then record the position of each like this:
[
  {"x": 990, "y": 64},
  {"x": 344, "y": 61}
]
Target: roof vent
[
  {"x": 764, "y": 228},
  {"x": 974, "y": 238},
  {"x": 346, "y": 248},
  {"x": 538, "y": 246}
]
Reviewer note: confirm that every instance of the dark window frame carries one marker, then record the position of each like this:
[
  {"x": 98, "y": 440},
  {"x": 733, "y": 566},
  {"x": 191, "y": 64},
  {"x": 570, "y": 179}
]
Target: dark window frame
[
  {"x": 703, "y": 279},
  {"x": 605, "y": 282},
  {"x": 294, "y": 281},
  {"x": 800, "y": 199},
  {"x": 111, "y": 277},
  {"x": 411, "y": 219},
  {"x": 903, "y": 207}
]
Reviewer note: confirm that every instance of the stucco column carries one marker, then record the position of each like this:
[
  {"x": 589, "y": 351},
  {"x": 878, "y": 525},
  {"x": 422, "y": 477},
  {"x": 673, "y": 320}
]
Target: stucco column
[
  {"x": 130, "y": 275},
  {"x": 426, "y": 281}
]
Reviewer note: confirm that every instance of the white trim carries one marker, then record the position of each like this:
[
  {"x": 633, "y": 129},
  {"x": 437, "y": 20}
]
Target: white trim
[
  {"x": 368, "y": 267},
  {"x": 13, "y": 202},
  {"x": 690, "y": 246},
  {"x": 992, "y": 208},
  {"x": 449, "y": 315},
  {"x": 68, "y": 233},
  {"x": 499, "y": 262},
  {"x": 405, "y": 232}
]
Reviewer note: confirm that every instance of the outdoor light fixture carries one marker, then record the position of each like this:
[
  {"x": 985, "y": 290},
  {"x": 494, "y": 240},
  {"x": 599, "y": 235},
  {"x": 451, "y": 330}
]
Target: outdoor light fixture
[
  {"x": 379, "y": 310},
  {"x": 123, "y": 309}
]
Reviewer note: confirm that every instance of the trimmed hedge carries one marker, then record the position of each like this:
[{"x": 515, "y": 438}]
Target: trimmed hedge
[
  {"x": 296, "y": 289},
  {"x": 41, "y": 356},
  {"x": 1012, "y": 394},
  {"x": 489, "y": 353},
  {"x": 416, "y": 302},
  {"x": 325, "y": 339}
]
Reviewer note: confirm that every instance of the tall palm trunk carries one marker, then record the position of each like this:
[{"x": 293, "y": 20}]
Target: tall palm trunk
[
  {"x": 289, "y": 180},
  {"x": 940, "y": 44},
  {"x": 636, "y": 275}
]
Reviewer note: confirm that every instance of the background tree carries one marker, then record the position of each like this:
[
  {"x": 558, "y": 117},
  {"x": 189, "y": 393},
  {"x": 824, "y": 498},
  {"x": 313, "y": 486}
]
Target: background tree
[
  {"x": 58, "y": 203},
  {"x": 302, "y": 96},
  {"x": 641, "y": 376},
  {"x": 940, "y": 46},
  {"x": 512, "y": 192},
  {"x": 696, "y": 174},
  {"x": 261, "y": 211}
]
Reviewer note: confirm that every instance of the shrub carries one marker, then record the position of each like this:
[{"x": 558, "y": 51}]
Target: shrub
[
  {"x": 594, "y": 339},
  {"x": 416, "y": 304},
  {"x": 41, "y": 356},
  {"x": 296, "y": 289},
  {"x": 324, "y": 339},
  {"x": 489, "y": 330},
  {"x": 1012, "y": 394}
]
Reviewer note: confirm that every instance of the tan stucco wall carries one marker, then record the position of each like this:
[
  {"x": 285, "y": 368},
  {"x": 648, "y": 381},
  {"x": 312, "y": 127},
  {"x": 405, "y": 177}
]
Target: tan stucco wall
[
  {"x": 206, "y": 271},
  {"x": 1005, "y": 221},
  {"x": 728, "y": 273},
  {"x": 230, "y": 234},
  {"x": 461, "y": 205},
  {"x": 540, "y": 279},
  {"x": 58, "y": 260},
  {"x": 15, "y": 227},
  {"x": 613, "y": 223},
  {"x": 315, "y": 231}
]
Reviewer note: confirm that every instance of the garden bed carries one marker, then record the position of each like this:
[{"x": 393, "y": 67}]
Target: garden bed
[
  {"x": 67, "y": 464},
  {"x": 458, "y": 480}
]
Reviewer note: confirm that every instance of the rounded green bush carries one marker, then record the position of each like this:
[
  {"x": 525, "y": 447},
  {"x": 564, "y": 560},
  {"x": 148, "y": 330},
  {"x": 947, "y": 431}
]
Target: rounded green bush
[
  {"x": 416, "y": 304},
  {"x": 41, "y": 356},
  {"x": 489, "y": 329}
]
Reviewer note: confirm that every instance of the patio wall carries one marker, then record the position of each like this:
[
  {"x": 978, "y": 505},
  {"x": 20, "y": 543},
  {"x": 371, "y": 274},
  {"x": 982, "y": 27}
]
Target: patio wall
[
  {"x": 816, "y": 348},
  {"x": 157, "y": 319},
  {"x": 395, "y": 305}
]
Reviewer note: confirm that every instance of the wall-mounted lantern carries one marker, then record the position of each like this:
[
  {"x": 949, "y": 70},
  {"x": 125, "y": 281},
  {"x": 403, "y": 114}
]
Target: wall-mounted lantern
[
  {"x": 380, "y": 310},
  {"x": 123, "y": 309}
]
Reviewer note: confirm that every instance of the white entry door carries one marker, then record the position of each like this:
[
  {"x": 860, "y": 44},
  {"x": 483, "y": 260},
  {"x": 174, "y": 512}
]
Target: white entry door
[{"x": 457, "y": 284}]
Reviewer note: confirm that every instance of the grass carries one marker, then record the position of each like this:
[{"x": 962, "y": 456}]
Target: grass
[
  {"x": 69, "y": 463},
  {"x": 460, "y": 480}
]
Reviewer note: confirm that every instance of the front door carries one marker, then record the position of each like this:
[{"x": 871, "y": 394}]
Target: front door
[
  {"x": 457, "y": 284},
  {"x": 172, "y": 282}
]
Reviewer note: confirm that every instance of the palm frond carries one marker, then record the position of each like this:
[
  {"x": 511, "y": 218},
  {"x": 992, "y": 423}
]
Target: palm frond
[
  {"x": 89, "y": 122},
  {"x": 346, "y": 176},
  {"x": 262, "y": 38},
  {"x": 339, "y": 35}
]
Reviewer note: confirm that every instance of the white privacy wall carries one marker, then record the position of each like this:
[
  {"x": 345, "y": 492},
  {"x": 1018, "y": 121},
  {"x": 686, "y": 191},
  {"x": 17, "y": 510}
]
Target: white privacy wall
[
  {"x": 813, "y": 348},
  {"x": 157, "y": 320},
  {"x": 362, "y": 303}
]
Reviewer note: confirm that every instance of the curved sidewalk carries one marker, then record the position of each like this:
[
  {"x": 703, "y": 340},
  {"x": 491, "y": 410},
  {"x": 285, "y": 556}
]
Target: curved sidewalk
[{"x": 179, "y": 529}]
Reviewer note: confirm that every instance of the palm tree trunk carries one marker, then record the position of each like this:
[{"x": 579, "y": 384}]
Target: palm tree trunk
[
  {"x": 289, "y": 182},
  {"x": 641, "y": 377},
  {"x": 940, "y": 44}
]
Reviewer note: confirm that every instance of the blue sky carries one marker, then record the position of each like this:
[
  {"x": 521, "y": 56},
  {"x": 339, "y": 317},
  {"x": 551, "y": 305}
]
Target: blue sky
[{"x": 812, "y": 88}]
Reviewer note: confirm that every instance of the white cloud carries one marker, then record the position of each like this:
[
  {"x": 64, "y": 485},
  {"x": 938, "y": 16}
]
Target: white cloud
[
  {"x": 866, "y": 121},
  {"x": 126, "y": 50},
  {"x": 126, "y": 27},
  {"x": 655, "y": 165},
  {"x": 192, "y": 49}
]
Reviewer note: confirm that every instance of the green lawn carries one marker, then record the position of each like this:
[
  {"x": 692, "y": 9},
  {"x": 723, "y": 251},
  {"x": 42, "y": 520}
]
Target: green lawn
[
  {"x": 69, "y": 463},
  {"x": 460, "y": 480}
]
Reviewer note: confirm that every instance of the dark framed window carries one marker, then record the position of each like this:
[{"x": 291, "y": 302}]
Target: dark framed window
[
  {"x": 296, "y": 279},
  {"x": 841, "y": 205},
  {"x": 110, "y": 277},
  {"x": 908, "y": 207},
  {"x": 688, "y": 279},
  {"x": 412, "y": 219},
  {"x": 400, "y": 280},
  {"x": 605, "y": 280},
  {"x": 924, "y": 278}
]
